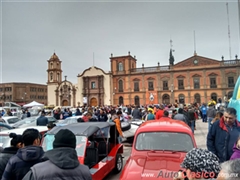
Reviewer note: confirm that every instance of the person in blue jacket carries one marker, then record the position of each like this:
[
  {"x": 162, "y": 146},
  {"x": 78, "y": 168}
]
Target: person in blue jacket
[{"x": 223, "y": 134}]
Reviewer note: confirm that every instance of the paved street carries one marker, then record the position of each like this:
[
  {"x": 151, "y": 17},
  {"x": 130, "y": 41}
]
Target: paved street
[{"x": 200, "y": 137}]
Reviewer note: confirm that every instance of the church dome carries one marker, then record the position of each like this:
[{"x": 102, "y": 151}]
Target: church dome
[{"x": 54, "y": 56}]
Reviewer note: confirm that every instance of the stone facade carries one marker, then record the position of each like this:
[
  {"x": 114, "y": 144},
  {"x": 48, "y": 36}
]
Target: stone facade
[{"x": 93, "y": 86}]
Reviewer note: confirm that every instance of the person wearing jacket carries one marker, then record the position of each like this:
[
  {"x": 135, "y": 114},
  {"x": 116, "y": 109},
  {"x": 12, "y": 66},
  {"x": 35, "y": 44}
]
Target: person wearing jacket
[
  {"x": 116, "y": 120},
  {"x": 42, "y": 120},
  {"x": 31, "y": 154},
  {"x": 8, "y": 152},
  {"x": 102, "y": 117},
  {"x": 192, "y": 118},
  {"x": 180, "y": 116},
  {"x": 136, "y": 114},
  {"x": 236, "y": 150},
  {"x": 159, "y": 112},
  {"x": 61, "y": 162},
  {"x": 211, "y": 113},
  {"x": 223, "y": 134}
]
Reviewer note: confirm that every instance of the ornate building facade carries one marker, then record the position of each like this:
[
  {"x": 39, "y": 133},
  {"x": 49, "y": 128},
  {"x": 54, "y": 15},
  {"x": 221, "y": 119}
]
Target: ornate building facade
[
  {"x": 196, "y": 79},
  {"x": 93, "y": 86}
]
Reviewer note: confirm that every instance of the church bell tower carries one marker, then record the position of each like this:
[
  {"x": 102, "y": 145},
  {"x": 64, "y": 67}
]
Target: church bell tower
[{"x": 54, "y": 73}]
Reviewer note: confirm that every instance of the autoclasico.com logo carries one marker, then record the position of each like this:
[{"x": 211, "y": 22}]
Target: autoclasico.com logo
[{"x": 184, "y": 174}]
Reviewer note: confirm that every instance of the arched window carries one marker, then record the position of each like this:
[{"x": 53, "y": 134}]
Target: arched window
[
  {"x": 120, "y": 86},
  {"x": 197, "y": 98},
  {"x": 57, "y": 76},
  {"x": 136, "y": 101},
  {"x": 120, "y": 100},
  {"x": 181, "y": 98},
  {"x": 214, "y": 96},
  {"x": 132, "y": 66},
  {"x": 166, "y": 99},
  {"x": 51, "y": 65},
  {"x": 230, "y": 94},
  {"x": 51, "y": 76},
  {"x": 120, "y": 66}
]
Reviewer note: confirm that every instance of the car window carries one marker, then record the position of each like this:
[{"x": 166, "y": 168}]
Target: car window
[
  {"x": 47, "y": 144},
  {"x": 13, "y": 120},
  {"x": 73, "y": 120},
  {"x": 164, "y": 141},
  {"x": 2, "y": 121},
  {"x": 4, "y": 141},
  {"x": 51, "y": 119}
]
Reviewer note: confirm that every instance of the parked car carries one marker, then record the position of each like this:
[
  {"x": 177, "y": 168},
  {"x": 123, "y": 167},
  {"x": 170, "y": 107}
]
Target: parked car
[
  {"x": 159, "y": 147},
  {"x": 69, "y": 120},
  {"x": 31, "y": 121},
  {"x": 4, "y": 126},
  {"x": 5, "y": 139},
  {"x": 129, "y": 128},
  {"x": 10, "y": 120},
  {"x": 97, "y": 146}
]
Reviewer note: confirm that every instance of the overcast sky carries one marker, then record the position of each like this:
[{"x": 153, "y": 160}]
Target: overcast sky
[{"x": 31, "y": 31}]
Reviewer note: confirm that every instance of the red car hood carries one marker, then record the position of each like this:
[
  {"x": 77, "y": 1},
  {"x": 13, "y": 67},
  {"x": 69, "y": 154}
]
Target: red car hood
[{"x": 155, "y": 165}]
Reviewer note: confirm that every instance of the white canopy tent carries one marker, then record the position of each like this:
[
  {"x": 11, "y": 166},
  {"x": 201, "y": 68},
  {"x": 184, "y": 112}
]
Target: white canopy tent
[{"x": 33, "y": 104}]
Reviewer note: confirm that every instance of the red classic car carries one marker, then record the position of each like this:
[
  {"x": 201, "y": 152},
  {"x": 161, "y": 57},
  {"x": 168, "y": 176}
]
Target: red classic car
[
  {"x": 97, "y": 146},
  {"x": 158, "y": 149}
]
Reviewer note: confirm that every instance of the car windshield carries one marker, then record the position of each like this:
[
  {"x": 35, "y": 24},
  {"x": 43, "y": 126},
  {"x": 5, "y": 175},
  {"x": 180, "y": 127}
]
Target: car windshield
[
  {"x": 164, "y": 141},
  {"x": 47, "y": 144},
  {"x": 4, "y": 141},
  {"x": 13, "y": 120},
  {"x": 70, "y": 120},
  {"x": 51, "y": 119},
  {"x": 26, "y": 121}
]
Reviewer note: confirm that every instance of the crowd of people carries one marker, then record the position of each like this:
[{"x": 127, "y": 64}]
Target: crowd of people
[{"x": 26, "y": 160}]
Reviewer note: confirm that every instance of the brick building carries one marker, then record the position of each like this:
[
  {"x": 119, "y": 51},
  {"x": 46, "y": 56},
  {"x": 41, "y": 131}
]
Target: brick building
[
  {"x": 23, "y": 93},
  {"x": 196, "y": 79}
]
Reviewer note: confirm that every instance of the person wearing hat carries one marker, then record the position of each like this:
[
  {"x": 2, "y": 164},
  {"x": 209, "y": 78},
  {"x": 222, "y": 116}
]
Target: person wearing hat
[
  {"x": 61, "y": 162},
  {"x": 8, "y": 152},
  {"x": 199, "y": 164},
  {"x": 150, "y": 115}
]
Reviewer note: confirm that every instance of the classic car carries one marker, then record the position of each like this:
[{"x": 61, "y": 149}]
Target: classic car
[
  {"x": 31, "y": 121},
  {"x": 5, "y": 139},
  {"x": 129, "y": 128},
  {"x": 97, "y": 146},
  {"x": 69, "y": 120},
  {"x": 10, "y": 120},
  {"x": 158, "y": 149}
]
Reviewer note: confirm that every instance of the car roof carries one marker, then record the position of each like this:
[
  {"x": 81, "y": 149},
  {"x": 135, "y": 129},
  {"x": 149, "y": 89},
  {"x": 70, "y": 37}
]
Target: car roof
[
  {"x": 85, "y": 128},
  {"x": 21, "y": 130},
  {"x": 9, "y": 117},
  {"x": 73, "y": 117},
  {"x": 165, "y": 125}
]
